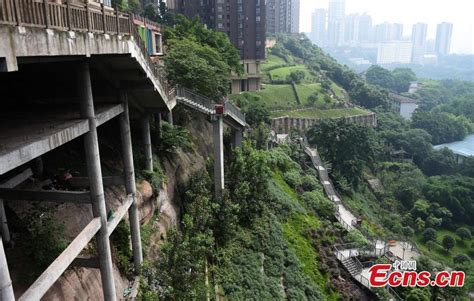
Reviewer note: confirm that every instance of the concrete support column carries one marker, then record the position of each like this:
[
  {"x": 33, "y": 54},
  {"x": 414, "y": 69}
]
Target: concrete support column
[
  {"x": 6, "y": 288},
  {"x": 4, "y": 224},
  {"x": 218, "y": 136},
  {"x": 130, "y": 185},
  {"x": 91, "y": 143},
  {"x": 170, "y": 117},
  {"x": 158, "y": 123},
  {"x": 147, "y": 147},
  {"x": 238, "y": 136}
]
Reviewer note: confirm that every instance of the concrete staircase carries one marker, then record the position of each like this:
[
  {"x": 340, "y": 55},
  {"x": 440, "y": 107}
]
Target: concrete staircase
[{"x": 351, "y": 266}]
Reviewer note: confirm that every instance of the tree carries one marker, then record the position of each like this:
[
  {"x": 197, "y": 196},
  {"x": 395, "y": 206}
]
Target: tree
[
  {"x": 349, "y": 147},
  {"x": 461, "y": 259},
  {"x": 296, "y": 76},
  {"x": 134, "y": 7},
  {"x": 443, "y": 127},
  {"x": 379, "y": 76},
  {"x": 197, "y": 67},
  {"x": 408, "y": 231},
  {"x": 431, "y": 245},
  {"x": 151, "y": 12},
  {"x": 448, "y": 242},
  {"x": 429, "y": 234},
  {"x": 418, "y": 294},
  {"x": 313, "y": 98},
  {"x": 402, "y": 77},
  {"x": 464, "y": 233}
]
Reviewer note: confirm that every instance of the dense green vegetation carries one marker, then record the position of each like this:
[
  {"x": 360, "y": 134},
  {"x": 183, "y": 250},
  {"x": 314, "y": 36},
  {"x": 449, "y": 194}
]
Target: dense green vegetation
[
  {"x": 199, "y": 58},
  {"x": 320, "y": 114},
  {"x": 429, "y": 203},
  {"x": 397, "y": 80},
  {"x": 252, "y": 243}
]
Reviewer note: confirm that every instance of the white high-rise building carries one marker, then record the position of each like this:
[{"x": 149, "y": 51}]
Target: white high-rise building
[
  {"x": 444, "y": 35},
  {"x": 418, "y": 38},
  {"x": 318, "y": 27},
  {"x": 394, "y": 52},
  {"x": 336, "y": 13}
]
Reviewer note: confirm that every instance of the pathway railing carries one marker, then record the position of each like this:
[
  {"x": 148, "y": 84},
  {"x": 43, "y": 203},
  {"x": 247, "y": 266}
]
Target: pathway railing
[{"x": 233, "y": 110}]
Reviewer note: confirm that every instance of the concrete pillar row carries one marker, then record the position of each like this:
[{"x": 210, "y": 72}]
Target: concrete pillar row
[
  {"x": 147, "y": 147},
  {"x": 218, "y": 138},
  {"x": 91, "y": 143},
  {"x": 130, "y": 185}
]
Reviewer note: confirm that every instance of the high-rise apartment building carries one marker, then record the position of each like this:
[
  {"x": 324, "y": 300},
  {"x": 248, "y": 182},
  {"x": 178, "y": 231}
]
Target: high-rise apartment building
[
  {"x": 336, "y": 14},
  {"x": 444, "y": 35},
  {"x": 295, "y": 16},
  {"x": 244, "y": 22},
  {"x": 318, "y": 27},
  {"x": 396, "y": 32},
  {"x": 418, "y": 39},
  {"x": 351, "y": 29},
  {"x": 388, "y": 32},
  {"x": 365, "y": 29},
  {"x": 283, "y": 16}
]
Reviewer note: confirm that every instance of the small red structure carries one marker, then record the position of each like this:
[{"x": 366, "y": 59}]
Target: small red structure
[{"x": 219, "y": 109}]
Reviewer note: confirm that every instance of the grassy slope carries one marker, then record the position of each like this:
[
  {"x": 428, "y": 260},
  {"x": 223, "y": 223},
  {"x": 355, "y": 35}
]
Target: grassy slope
[
  {"x": 284, "y": 72},
  {"x": 295, "y": 231},
  {"x": 276, "y": 96}
]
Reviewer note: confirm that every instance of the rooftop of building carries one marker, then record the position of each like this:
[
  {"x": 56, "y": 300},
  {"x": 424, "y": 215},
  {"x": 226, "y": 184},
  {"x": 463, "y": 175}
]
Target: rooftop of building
[{"x": 402, "y": 99}]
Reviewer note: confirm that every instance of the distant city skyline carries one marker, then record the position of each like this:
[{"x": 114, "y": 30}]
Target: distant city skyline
[{"x": 408, "y": 12}]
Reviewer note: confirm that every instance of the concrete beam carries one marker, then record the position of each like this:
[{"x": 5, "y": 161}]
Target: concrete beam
[
  {"x": 119, "y": 214},
  {"x": 55, "y": 196},
  {"x": 218, "y": 138},
  {"x": 60, "y": 264},
  {"x": 52, "y": 137},
  {"x": 10, "y": 183},
  {"x": 84, "y": 182}
]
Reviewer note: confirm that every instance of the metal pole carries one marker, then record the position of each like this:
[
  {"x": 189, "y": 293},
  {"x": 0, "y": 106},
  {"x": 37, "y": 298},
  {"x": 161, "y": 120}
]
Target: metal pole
[
  {"x": 6, "y": 288},
  {"x": 91, "y": 142},
  {"x": 218, "y": 136},
  {"x": 147, "y": 147},
  {"x": 130, "y": 185}
]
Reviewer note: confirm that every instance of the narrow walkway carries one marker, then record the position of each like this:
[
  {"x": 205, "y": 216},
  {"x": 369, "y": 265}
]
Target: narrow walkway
[{"x": 348, "y": 256}]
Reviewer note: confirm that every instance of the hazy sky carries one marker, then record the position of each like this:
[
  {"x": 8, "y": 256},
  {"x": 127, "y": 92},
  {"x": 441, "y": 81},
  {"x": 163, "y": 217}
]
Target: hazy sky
[{"x": 408, "y": 12}]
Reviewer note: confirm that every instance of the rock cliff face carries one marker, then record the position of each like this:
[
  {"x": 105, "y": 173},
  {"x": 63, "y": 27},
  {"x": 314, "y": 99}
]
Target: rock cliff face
[{"x": 85, "y": 283}]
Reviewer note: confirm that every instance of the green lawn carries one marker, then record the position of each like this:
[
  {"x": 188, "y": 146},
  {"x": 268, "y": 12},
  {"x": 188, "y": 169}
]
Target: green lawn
[
  {"x": 282, "y": 73},
  {"x": 306, "y": 90},
  {"x": 276, "y": 96},
  {"x": 272, "y": 61},
  {"x": 321, "y": 114}
]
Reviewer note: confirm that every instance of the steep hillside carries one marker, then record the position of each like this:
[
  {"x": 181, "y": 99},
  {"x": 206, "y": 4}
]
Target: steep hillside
[{"x": 298, "y": 76}]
